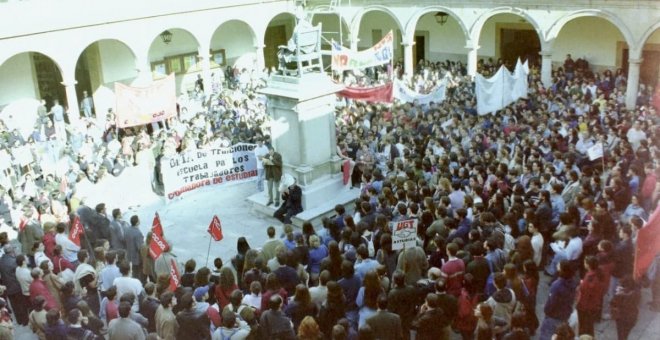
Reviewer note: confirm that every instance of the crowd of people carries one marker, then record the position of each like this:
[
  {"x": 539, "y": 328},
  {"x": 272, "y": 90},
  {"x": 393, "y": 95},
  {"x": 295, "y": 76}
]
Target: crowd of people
[{"x": 501, "y": 201}]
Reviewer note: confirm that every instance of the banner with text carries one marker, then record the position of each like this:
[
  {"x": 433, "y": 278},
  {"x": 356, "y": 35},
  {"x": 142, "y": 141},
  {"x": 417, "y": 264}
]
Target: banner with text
[
  {"x": 144, "y": 105},
  {"x": 404, "y": 234},
  {"x": 344, "y": 59},
  {"x": 406, "y": 95},
  {"x": 199, "y": 168}
]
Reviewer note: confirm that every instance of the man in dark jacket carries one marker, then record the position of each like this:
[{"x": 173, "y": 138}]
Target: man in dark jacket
[
  {"x": 274, "y": 324},
  {"x": 559, "y": 306},
  {"x": 385, "y": 325},
  {"x": 134, "y": 241},
  {"x": 19, "y": 302},
  {"x": 117, "y": 230},
  {"x": 193, "y": 324},
  {"x": 149, "y": 306},
  {"x": 431, "y": 322},
  {"x": 291, "y": 205},
  {"x": 401, "y": 300}
]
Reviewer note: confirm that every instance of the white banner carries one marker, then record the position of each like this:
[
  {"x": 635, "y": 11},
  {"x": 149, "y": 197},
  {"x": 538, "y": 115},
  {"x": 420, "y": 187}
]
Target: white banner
[
  {"x": 502, "y": 89},
  {"x": 200, "y": 168},
  {"x": 404, "y": 234},
  {"x": 595, "y": 151},
  {"x": 406, "y": 95},
  {"x": 345, "y": 59}
]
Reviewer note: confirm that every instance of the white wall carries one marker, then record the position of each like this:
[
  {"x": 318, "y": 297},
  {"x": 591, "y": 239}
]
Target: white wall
[
  {"x": 17, "y": 81},
  {"x": 379, "y": 20},
  {"x": 446, "y": 41},
  {"x": 117, "y": 60},
  {"x": 593, "y": 38},
  {"x": 236, "y": 38}
]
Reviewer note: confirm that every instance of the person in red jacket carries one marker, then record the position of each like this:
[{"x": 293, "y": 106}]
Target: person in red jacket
[
  {"x": 590, "y": 295},
  {"x": 38, "y": 287}
]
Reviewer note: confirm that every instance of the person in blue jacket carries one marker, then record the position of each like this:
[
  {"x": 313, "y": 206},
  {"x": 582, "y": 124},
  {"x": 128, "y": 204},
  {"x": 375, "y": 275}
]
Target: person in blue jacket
[{"x": 559, "y": 306}]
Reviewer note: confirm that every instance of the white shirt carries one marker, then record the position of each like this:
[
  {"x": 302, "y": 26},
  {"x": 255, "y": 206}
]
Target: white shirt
[
  {"x": 252, "y": 300},
  {"x": 24, "y": 278},
  {"x": 125, "y": 285},
  {"x": 635, "y": 136},
  {"x": 537, "y": 245},
  {"x": 572, "y": 251},
  {"x": 260, "y": 151},
  {"x": 69, "y": 249},
  {"x": 318, "y": 294}
]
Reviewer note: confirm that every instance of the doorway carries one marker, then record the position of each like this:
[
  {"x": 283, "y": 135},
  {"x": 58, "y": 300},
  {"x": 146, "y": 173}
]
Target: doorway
[
  {"x": 419, "y": 52},
  {"x": 275, "y": 36},
  {"x": 517, "y": 43}
]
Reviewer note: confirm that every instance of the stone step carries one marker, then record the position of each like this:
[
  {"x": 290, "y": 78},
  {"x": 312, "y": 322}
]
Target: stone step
[{"x": 345, "y": 196}]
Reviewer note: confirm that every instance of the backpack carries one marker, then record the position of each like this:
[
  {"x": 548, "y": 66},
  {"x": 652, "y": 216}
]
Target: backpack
[{"x": 370, "y": 244}]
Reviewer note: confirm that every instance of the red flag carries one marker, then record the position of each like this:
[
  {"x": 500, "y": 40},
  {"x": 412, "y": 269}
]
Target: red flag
[
  {"x": 157, "y": 245},
  {"x": 174, "y": 276},
  {"x": 76, "y": 230},
  {"x": 156, "y": 227},
  {"x": 648, "y": 244},
  {"x": 215, "y": 229}
]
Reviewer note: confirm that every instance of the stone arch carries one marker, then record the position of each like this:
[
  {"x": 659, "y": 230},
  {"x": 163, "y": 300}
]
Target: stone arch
[
  {"x": 647, "y": 34},
  {"x": 270, "y": 19},
  {"x": 414, "y": 20},
  {"x": 238, "y": 44},
  {"x": 556, "y": 27},
  {"x": 355, "y": 24},
  {"x": 475, "y": 30}
]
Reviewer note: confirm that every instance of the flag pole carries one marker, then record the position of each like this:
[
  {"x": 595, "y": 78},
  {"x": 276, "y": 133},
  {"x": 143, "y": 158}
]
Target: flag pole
[{"x": 208, "y": 251}]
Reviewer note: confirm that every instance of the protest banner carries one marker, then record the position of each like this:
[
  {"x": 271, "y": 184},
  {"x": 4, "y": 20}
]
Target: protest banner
[
  {"x": 378, "y": 94},
  {"x": 156, "y": 226},
  {"x": 76, "y": 230},
  {"x": 404, "y": 234},
  {"x": 175, "y": 277},
  {"x": 595, "y": 152},
  {"x": 144, "y": 105},
  {"x": 214, "y": 166},
  {"x": 157, "y": 246},
  {"x": 345, "y": 59},
  {"x": 407, "y": 95},
  {"x": 502, "y": 89}
]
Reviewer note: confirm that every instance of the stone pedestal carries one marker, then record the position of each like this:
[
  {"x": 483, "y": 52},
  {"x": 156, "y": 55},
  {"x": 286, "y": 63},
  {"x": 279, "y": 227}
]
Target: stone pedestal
[{"x": 303, "y": 132}]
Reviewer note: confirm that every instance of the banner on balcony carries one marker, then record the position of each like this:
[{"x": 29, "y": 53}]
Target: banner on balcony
[
  {"x": 144, "y": 105},
  {"x": 379, "y": 94},
  {"x": 344, "y": 59}
]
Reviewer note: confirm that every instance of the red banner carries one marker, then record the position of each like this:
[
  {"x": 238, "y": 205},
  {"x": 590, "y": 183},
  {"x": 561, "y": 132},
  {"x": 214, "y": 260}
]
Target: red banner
[
  {"x": 157, "y": 245},
  {"x": 369, "y": 94},
  {"x": 144, "y": 105},
  {"x": 156, "y": 226},
  {"x": 215, "y": 229},
  {"x": 175, "y": 279},
  {"x": 648, "y": 244},
  {"x": 76, "y": 230}
]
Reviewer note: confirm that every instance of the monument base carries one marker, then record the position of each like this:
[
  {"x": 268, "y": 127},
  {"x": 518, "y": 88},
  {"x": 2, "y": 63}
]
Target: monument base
[{"x": 319, "y": 198}]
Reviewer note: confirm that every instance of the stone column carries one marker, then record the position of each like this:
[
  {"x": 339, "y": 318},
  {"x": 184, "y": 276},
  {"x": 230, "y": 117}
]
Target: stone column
[
  {"x": 259, "y": 50},
  {"x": 472, "y": 59},
  {"x": 546, "y": 68},
  {"x": 204, "y": 58},
  {"x": 633, "y": 82},
  {"x": 72, "y": 100},
  {"x": 303, "y": 132},
  {"x": 408, "y": 68}
]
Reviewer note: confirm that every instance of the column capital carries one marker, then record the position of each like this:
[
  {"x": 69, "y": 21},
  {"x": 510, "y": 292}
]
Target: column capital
[
  {"x": 257, "y": 46},
  {"x": 407, "y": 43},
  {"x": 472, "y": 47},
  {"x": 546, "y": 53},
  {"x": 69, "y": 82},
  {"x": 635, "y": 61}
]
